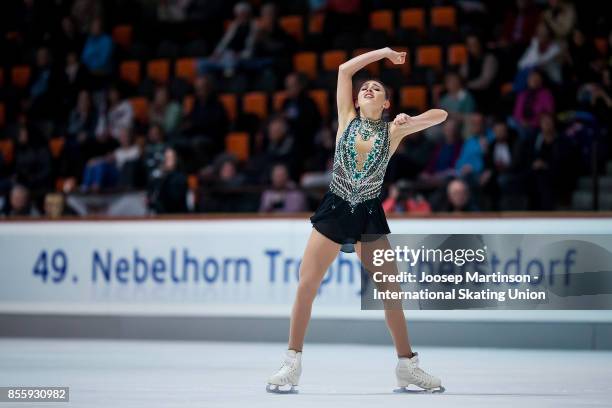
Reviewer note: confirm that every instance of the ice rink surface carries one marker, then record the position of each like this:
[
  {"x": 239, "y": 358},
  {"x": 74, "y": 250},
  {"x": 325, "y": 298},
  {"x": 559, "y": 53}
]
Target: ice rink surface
[{"x": 148, "y": 374}]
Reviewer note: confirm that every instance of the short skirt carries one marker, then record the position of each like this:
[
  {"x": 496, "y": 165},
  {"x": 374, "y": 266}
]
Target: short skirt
[{"x": 335, "y": 220}]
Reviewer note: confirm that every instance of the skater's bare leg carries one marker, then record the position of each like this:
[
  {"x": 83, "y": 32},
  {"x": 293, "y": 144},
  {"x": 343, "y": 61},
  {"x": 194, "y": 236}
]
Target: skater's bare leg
[
  {"x": 394, "y": 314},
  {"x": 320, "y": 252}
]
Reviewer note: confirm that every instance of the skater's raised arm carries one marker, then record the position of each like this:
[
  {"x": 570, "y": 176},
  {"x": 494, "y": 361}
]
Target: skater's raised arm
[
  {"x": 404, "y": 125},
  {"x": 344, "y": 92}
]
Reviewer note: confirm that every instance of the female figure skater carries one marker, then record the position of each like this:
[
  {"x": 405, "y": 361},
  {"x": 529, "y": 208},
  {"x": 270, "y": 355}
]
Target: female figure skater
[{"x": 352, "y": 207}]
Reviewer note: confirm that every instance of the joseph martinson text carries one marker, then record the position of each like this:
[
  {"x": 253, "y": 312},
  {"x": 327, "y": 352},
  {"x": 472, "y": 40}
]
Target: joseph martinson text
[{"x": 457, "y": 293}]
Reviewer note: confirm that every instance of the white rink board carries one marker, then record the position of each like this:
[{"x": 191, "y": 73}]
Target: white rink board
[{"x": 230, "y": 267}]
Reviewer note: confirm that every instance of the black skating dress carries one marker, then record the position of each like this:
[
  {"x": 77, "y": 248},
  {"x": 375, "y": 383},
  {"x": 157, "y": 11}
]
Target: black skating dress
[{"x": 352, "y": 205}]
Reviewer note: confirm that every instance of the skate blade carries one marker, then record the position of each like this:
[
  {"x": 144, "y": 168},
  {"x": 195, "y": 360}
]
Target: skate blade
[
  {"x": 276, "y": 389},
  {"x": 406, "y": 390}
]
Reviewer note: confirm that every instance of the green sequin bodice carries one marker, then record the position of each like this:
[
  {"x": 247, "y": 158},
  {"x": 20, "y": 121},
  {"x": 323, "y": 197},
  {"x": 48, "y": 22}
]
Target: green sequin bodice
[{"x": 358, "y": 177}]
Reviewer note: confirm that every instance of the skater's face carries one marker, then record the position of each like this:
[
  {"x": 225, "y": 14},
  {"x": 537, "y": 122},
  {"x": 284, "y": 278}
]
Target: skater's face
[{"x": 372, "y": 97}]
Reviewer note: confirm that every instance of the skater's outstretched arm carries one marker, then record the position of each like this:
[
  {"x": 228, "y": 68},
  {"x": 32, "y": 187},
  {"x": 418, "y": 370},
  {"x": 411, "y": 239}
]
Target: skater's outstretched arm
[
  {"x": 404, "y": 125},
  {"x": 344, "y": 91}
]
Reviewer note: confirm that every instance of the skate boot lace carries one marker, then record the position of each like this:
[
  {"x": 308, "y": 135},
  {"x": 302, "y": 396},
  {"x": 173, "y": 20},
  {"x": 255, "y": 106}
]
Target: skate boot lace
[
  {"x": 423, "y": 378},
  {"x": 418, "y": 376},
  {"x": 287, "y": 370}
]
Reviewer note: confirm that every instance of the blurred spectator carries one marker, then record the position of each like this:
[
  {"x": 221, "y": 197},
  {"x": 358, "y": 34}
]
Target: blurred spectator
[
  {"x": 519, "y": 26},
  {"x": 228, "y": 175},
  {"x": 154, "y": 152},
  {"x": 164, "y": 112},
  {"x": 271, "y": 42},
  {"x": 73, "y": 79},
  {"x": 85, "y": 12},
  {"x": 404, "y": 199},
  {"x": 543, "y": 53},
  {"x": 531, "y": 104},
  {"x": 470, "y": 163},
  {"x": 411, "y": 157},
  {"x": 506, "y": 166},
  {"x": 560, "y": 16},
  {"x": 32, "y": 162},
  {"x": 596, "y": 97},
  {"x": 237, "y": 43},
  {"x": 220, "y": 184},
  {"x": 55, "y": 206},
  {"x": 103, "y": 172},
  {"x": 67, "y": 40},
  {"x": 456, "y": 101},
  {"x": 173, "y": 10},
  {"x": 301, "y": 112},
  {"x": 279, "y": 146},
  {"x": 580, "y": 56},
  {"x": 442, "y": 161},
  {"x": 19, "y": 203},
  {"x": 119, "y": 115},
  {"x": 168, "y": 195},
  {"x": 82, "y": 120},
  {"x": 208, "y": 118},
  {"x": 480, "y": 73},
  {"x": 324, "y": 147},
  {"x": 98, "y": 52},
  {"x": 283, "y": 196},
  {"x": 549, "y": 166},
  {"x": 43, "y": 87},
  {"x": 458, "y": 197}
]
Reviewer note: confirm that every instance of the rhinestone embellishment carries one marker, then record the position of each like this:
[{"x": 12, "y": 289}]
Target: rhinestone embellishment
[{"x": 352, "y": 182}]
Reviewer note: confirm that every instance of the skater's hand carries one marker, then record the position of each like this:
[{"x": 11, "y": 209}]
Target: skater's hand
[
  {"x": 402, "y": 120},
  {"x": 396, "y": 57}
]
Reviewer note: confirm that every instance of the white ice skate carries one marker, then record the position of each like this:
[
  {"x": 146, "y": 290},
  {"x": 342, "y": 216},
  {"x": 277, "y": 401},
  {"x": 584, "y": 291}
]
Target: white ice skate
[
  {"x": 286, "y": 379},
  {"x": 408, "y": 372}
]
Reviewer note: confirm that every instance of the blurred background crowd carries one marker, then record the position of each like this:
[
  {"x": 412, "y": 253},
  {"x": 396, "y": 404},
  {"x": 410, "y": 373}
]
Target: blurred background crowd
[{"x": 133, "y": 107}]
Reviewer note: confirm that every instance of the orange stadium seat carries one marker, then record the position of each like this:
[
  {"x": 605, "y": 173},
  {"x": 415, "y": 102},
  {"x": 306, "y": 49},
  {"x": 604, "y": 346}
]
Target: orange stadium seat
[
  {"x": 20, "y": 76},
  {"x": 237, "y": 143},
  {"x": 429, "y": 56},
  {"x": 122, "y": 35},
  {"x": 186, "y": 68},
  {"x": 140, "y": 104},
  {"x": 294, "y": 26},
  {"x": 188, "y": 102},
  {"x": 382, "y": 20},
  {"x": 230, "y": 104},
  {"x": 457, "y": 54},
  {"x": 56, "y": 145},
  {"x": 159, "y": 70},
  {"x": 373, "y": 68},
  {"x": 255, "y": 103},
  {"x": 278, "y": 99},
  {"x": 321, "y": 98},
  {"x": 306, "y": 63},
  {"x": 413, "y": 97},
  {"x": 332, "y": 59},
  {"x": 2, "y": 115},
  {"x": 412, "y": 19},
  {"x": 129, "y": 71},
  {"x": 7, "y": 148},
  {"x": 315, "y": 23},
  {"x": 444, "y": 17}
]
